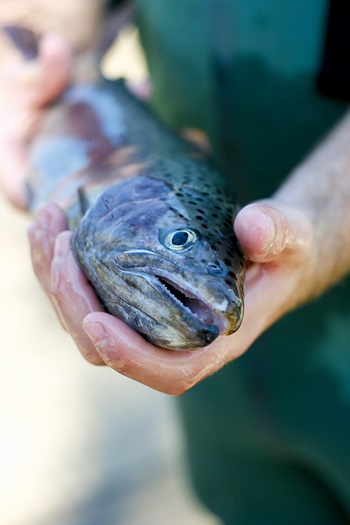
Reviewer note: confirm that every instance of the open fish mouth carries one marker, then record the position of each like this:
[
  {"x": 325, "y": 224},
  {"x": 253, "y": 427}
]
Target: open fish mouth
[
  {"x": 189, "y": 301},
  {"x": 171, "y": 308},
  {"x": 174, "y": 297}
]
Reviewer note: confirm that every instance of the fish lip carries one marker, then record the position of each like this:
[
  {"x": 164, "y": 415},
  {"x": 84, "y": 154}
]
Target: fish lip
[
  {"x": 211, "y": 317},
  {"x": 203, "y": 314},
  {"x": 217, "y": 316}
]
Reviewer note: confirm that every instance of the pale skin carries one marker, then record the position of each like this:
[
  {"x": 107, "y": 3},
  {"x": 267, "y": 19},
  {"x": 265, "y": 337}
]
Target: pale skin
[{"x": 297, "y": 244}]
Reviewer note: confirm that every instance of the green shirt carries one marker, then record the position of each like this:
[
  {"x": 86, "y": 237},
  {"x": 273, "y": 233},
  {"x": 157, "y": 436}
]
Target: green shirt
[{"x": 269, "y": 435}]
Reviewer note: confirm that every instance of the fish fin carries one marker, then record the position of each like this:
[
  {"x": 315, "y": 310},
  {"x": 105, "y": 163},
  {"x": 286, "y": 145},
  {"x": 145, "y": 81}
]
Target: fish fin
[
  {"x": 83, "y": 201},
  {"x": 25, "y": 40}
]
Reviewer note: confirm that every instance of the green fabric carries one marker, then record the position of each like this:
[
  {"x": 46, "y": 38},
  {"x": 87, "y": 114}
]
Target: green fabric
[
  {"x": 271, "y": 111},
  {"x": 268, "y": 436}
]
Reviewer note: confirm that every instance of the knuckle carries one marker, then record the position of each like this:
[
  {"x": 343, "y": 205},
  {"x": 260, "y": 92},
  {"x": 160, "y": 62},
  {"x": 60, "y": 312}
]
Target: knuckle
[
  {"x": 92, "y": 357},
  {"x": 179, "y": 388},
  {"x": 58, "y": 285}
]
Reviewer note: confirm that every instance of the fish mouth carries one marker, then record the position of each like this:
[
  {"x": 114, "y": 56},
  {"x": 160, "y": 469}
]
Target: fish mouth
[
  {"x": 193, "y": 305},
  {"x": 166, "y": 301},
  {"x": 156, "y": 297}
]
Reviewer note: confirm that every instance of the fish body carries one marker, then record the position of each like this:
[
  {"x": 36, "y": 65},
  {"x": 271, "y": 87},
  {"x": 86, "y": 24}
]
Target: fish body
[{"x": 152, "y": 216}]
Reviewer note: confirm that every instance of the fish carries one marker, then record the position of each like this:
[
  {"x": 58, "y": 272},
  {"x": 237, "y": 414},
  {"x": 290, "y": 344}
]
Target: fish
[{"x": 151, "y": 212}]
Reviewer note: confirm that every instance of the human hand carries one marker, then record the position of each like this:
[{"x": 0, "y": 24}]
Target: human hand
[
  {"x": 26, "y": 87},
  {"x": 277, "y": 241}
]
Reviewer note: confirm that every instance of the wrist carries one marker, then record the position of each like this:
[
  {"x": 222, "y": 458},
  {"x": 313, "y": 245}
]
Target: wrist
[{"x": 320, "y": 189}]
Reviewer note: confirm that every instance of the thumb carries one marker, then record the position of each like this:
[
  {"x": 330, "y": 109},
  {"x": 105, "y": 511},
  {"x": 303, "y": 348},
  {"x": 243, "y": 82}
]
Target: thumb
[{"x": 267, "y": 229}]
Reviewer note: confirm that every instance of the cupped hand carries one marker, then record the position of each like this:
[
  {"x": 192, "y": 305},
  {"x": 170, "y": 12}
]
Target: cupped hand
[
  {"x": 26, "y": 87},
  {"x": 277, "y": 241}
]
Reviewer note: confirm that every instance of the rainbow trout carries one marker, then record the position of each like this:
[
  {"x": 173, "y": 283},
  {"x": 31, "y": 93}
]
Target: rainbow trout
[{"x": 152, "y": 216}]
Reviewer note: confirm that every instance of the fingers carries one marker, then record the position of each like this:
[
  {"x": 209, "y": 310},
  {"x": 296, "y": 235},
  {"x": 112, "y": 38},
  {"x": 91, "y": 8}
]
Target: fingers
[
  {"x": 173, "y": 372},
  {"x": 269, "y": 234},
  {"x": 117, "y": 345},
  {"x": 50, "y": 221},
  {"x": 24, "y": 90},
  {"x": 168, "y": 371},
  {"x": 35, "y": 83},
  {"x": 55, "y": 69},
  {"x": 59, "y": 275},
  {"x": 265, "y": 232},
  {"x": 12, "y": 173},
  {"x": 73, "y": 295}
]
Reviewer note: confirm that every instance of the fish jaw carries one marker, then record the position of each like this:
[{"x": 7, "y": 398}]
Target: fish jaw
[
  {"x": 163, "y": 305},
  {"x": 206, "y": 298},
  {"x": 223, "y": 313}
]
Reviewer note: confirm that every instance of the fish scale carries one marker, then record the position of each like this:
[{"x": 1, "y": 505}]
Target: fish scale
[{"x": 151, "y": 213}]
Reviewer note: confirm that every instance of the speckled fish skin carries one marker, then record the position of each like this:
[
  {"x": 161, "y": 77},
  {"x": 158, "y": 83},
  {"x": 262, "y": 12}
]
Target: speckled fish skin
[{"x": 157, "y": 238}]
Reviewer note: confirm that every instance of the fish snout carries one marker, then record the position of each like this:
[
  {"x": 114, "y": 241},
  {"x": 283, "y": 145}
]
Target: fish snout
[{"x": 228, "y": 305}]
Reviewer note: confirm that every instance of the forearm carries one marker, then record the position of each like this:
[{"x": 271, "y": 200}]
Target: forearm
[{"x": 320, "y": 187}]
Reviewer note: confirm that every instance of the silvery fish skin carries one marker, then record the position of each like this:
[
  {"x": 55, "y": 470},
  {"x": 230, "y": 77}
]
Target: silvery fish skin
[{"x": 152, "y": 215}]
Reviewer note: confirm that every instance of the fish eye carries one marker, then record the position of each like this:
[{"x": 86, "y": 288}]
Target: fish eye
[{"x": 180, "y": 240}]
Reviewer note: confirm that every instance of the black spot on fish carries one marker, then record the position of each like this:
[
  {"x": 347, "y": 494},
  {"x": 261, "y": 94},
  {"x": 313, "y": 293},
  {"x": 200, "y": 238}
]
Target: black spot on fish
[{"x": 106, "y": 203}]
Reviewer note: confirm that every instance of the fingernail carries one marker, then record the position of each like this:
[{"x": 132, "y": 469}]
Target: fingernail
[
  {"x": 268, "y": 248},
  {"x": 96, "y": 333}
]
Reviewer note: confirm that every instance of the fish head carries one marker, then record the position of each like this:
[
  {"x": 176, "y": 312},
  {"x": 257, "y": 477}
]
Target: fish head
[{"x": 160, "y": 265}]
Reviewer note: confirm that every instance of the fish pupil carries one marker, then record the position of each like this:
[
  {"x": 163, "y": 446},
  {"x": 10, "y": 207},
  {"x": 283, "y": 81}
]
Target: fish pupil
[{"x": 179, "y": 238}]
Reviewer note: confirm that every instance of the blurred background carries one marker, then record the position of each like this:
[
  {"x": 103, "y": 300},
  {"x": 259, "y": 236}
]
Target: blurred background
[{"x": 79, "y": 445}]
